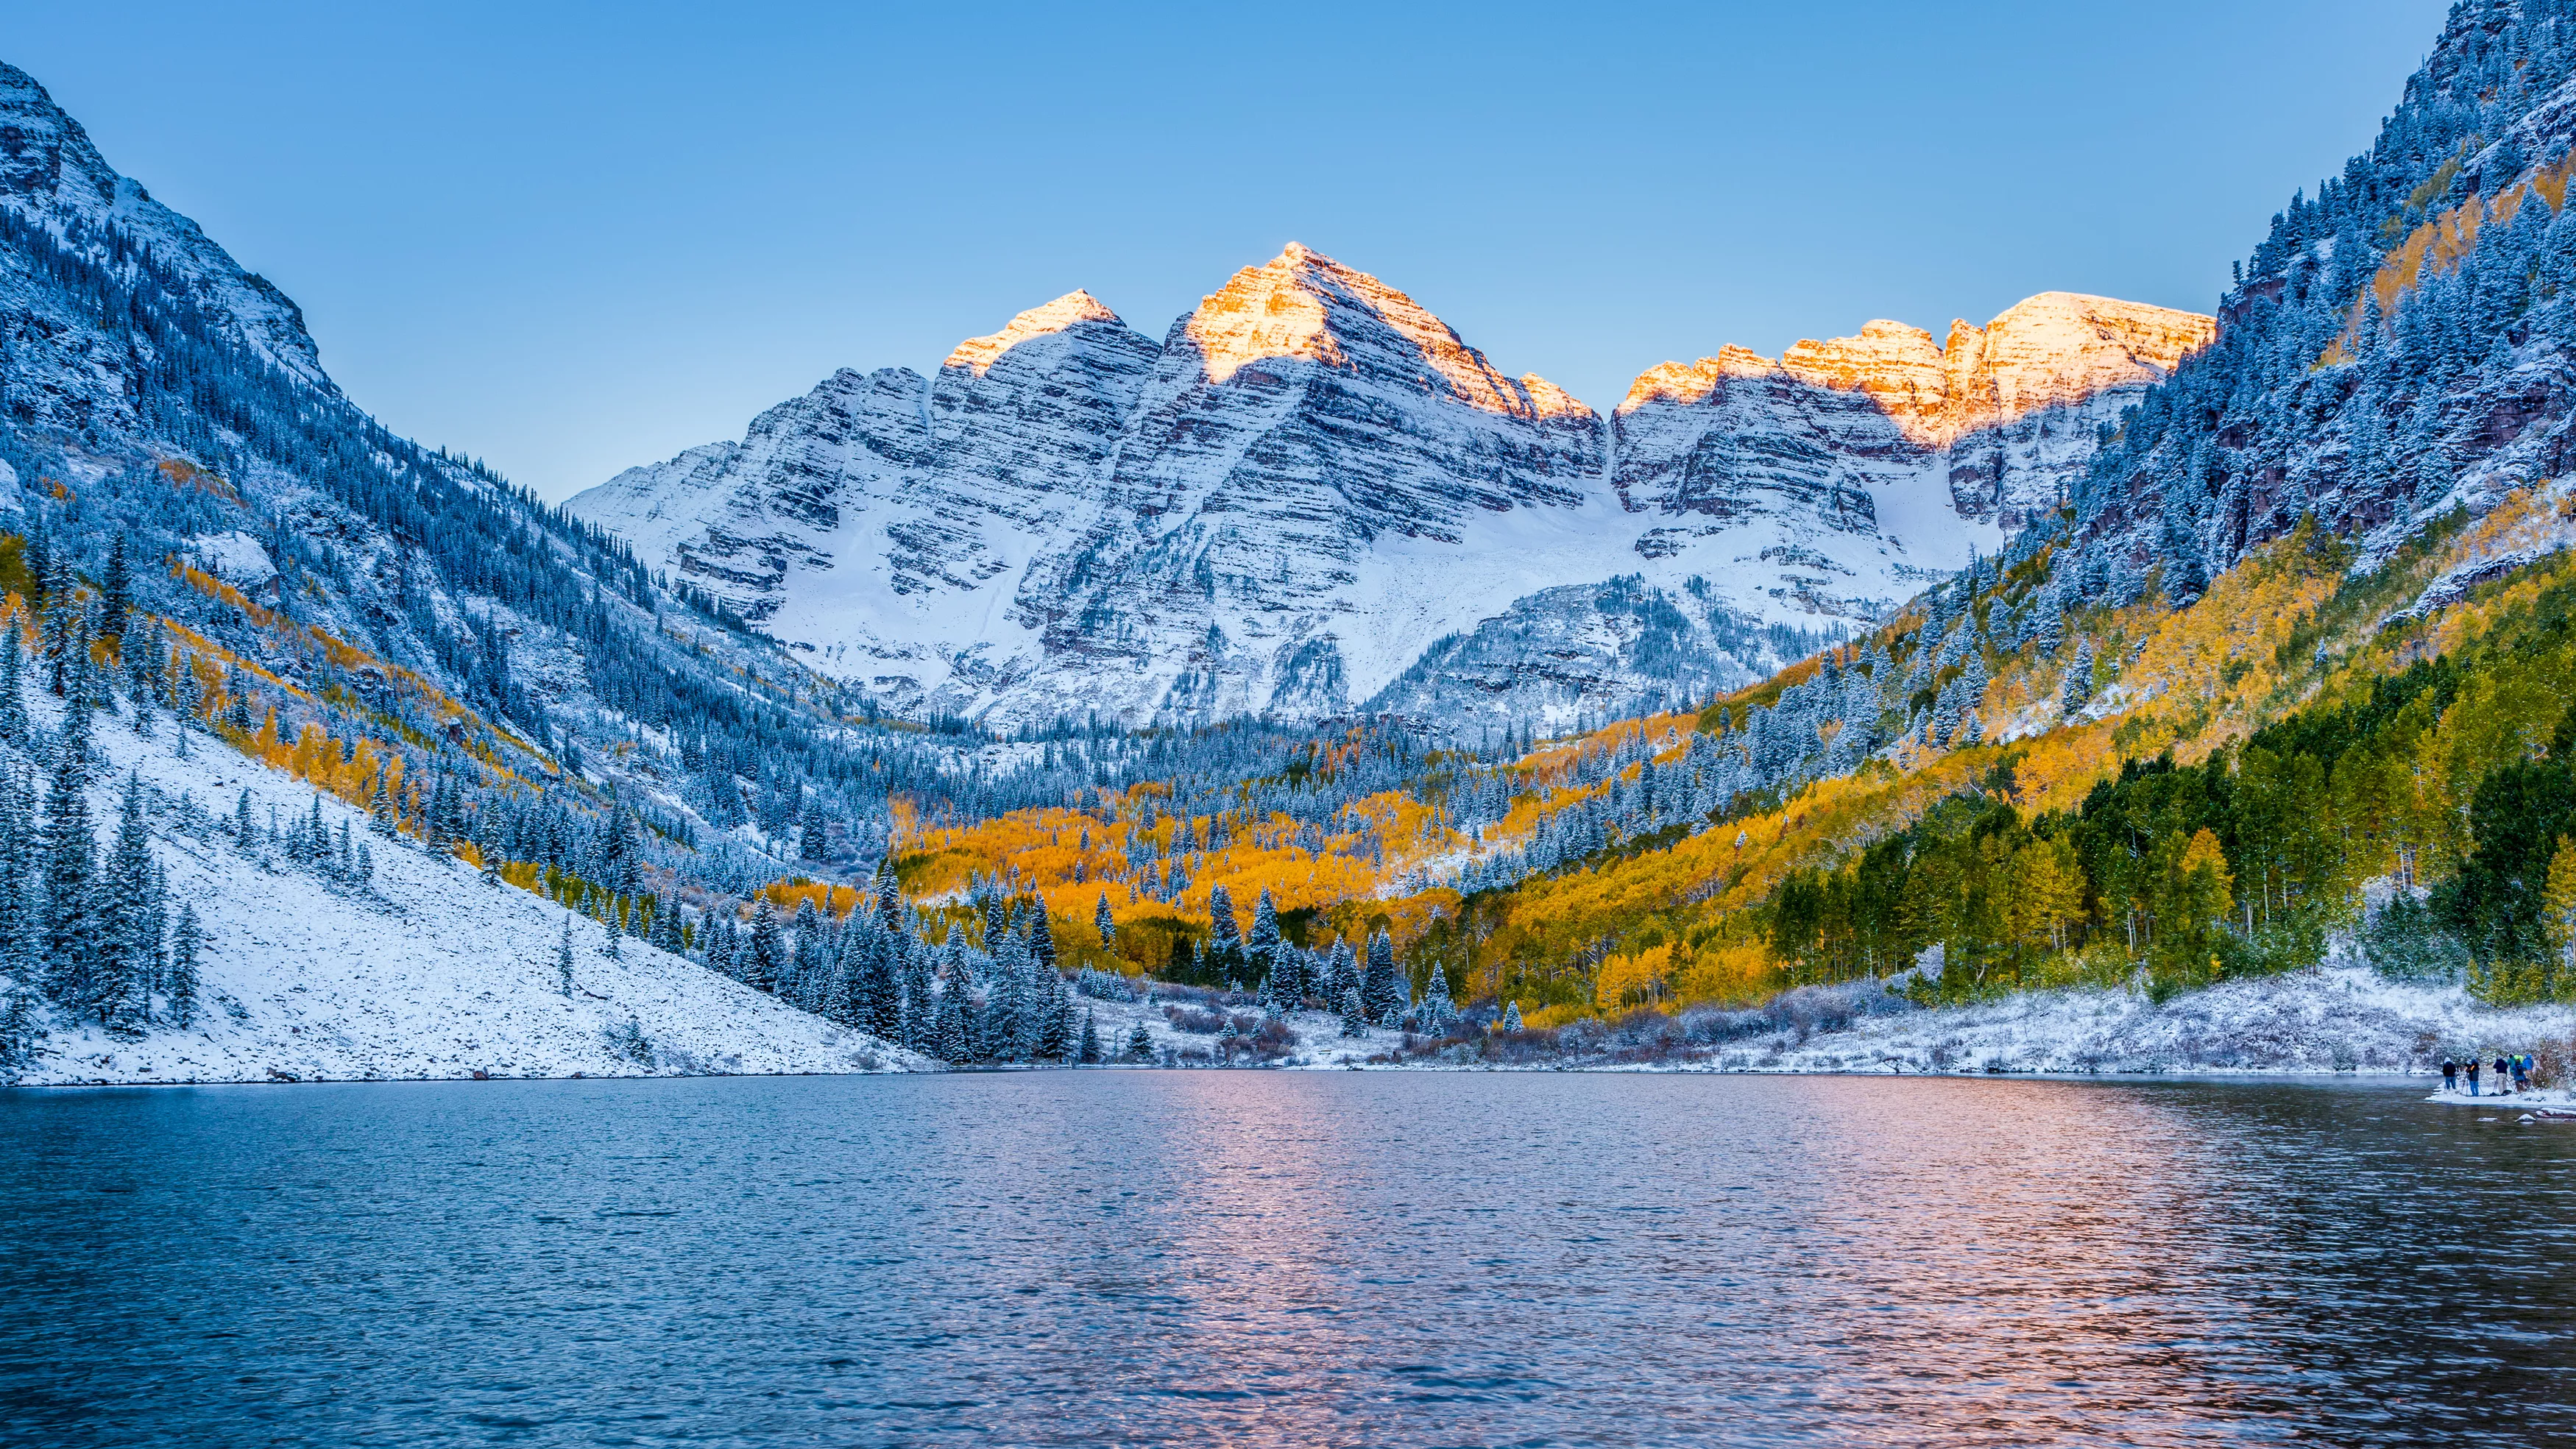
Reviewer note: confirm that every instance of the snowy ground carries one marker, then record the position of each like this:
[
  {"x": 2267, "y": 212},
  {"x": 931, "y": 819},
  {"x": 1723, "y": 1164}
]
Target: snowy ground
[
  {"x": 2325, "y": 1020},
  {"x": 2548, "y": 1102},
  {"x": 2340, "y": 1019},
  {"x": 433, "y": 973}
]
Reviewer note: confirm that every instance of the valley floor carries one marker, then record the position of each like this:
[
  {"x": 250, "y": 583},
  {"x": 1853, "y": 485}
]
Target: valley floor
[{"x": 2332, "y": 1019}]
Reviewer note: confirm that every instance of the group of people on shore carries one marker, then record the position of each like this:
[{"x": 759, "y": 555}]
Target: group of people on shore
[{"x": 2512, "y": 1074}]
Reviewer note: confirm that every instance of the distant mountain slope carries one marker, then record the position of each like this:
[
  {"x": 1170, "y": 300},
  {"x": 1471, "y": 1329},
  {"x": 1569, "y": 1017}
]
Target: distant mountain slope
[{"x": 1313, "y": 480}]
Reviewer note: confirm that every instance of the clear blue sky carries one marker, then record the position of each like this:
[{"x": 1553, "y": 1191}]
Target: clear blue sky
[{"x": 569, "y": 239}]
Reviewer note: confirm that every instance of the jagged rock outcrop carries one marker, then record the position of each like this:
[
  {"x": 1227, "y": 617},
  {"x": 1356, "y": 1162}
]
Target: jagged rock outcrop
[
  {"x": 2003, "y": 416},
  {"x": 881, "y": 520},
  {"x": 1304, "y": 429},
  {"x": 1313, "y": 479}
]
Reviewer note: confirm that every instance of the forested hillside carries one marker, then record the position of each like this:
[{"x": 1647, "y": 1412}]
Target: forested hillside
[{"x": 2293, "y": 653}]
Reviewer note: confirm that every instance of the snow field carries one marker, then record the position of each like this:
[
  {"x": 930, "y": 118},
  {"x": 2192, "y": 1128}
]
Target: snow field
[{"x": 431, "y": 973}]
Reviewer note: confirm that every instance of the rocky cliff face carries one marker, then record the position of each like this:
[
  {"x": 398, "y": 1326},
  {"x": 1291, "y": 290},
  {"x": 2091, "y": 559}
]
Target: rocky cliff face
[
  {"x": 1313, "y": 479},
  {"x": 2004, "y": 416}
]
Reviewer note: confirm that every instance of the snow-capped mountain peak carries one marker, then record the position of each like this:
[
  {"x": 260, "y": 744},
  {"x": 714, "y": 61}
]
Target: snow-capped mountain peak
[
  {"x": 1314, "y": 479},
  {"x": 1302, "y": 303},
  {"x": 1073, "y": 308}
]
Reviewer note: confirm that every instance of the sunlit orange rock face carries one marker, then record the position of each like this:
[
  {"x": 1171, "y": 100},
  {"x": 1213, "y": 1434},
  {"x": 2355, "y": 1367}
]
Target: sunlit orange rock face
[
  {"x": 1304, "y": 304},
  {"x": 2048, "y": 351},
  {"x": 2005, "y": 410}
]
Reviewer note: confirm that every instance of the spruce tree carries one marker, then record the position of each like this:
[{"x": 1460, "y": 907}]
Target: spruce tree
[
  {"x": 380, "y": 809},
  {"x": 1382, "y": 988},
  {"x": 115, "y": 591},
  {"x": 812, "y": 841},
  {"x": 22, "y": 1035},
  {"x": 2078, "y": 690},
  {"x": 128, "y": 944},
  {"x": 563, "y": 958},
  {"x": 952, "y": 1046},
  {"x": 14, "y": 728},
  {"x": 1262, "y": 947},
  {"x": 884, "y": 993},
  {"x": 1089, "y": 1054},
  {"x": 69, "y": 906},
  {"x": 1225, "y": 939},
  {"x": 187, "y": 941},
  {"x": 1140, "y": 1043},
  {"x": 1042, "y": 937},
  {"x": 1105, "y": 924},
  {"x": 765, "y": 966},
  {"x": 1354, "y": 1019},
  {"x": 613, "y": 914}
]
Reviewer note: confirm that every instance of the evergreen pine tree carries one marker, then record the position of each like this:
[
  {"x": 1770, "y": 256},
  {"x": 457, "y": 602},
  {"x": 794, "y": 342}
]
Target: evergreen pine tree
[
  {"x": 115, "y": 591},
  {"x": 1140, "y": 1043},
  {"x": 1382, "y": 987},
  {"x": 1105, "y": 924},
  {"x": 1089, "y": 1054},
  {"x": 765, "y": 966},
  {"x": 563, "y": 958},
  {"x": 1042, "y": 937},
  {"x": 612, "y": 912},
  {"x": 1512, "y": 1017},
  {"x": 1262, "y": 947},
  {"x": 55, "y": 643},
  {"x": 951, "y": 1038},
  {"x": 812, "y": 841},
  {"x": 1224, "y": 937},
  {"x": 1354, "y": 1019},
  {"x": 22, "y": 1035},
  {"x": 14, "y": 728},
  {"x": 127, "y": 947},
  {"x": 69, "y": 920},
  {"x": 187, "y": 941},
  {"x": 2078, "y": 689},
  {"x": 18, "y": 955},
  {"x": 380, "y": 808}
]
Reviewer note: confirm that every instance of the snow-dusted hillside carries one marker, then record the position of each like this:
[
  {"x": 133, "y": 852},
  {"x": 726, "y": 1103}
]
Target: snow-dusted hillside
[
  {"x": 1313, "y": 481},
  {"x": 428, "y": 972},
  {"x": 49, "y": 169},
  {"x": 2323, "y": 1020}
]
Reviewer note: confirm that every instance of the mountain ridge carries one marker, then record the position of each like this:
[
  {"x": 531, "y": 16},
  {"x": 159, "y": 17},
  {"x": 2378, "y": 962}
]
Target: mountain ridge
[{"x": 1314, "y": 479}]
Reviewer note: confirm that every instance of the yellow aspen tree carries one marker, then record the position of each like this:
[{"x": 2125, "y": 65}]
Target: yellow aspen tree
[{"x": 2558, "y": 903}]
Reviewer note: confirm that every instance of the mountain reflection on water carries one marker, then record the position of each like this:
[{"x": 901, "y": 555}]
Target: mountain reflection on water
[{"x": 1274, "y": 1258}]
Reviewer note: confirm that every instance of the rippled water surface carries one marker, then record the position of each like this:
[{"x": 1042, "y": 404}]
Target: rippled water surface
[{"x": 1265, "y": 1258}]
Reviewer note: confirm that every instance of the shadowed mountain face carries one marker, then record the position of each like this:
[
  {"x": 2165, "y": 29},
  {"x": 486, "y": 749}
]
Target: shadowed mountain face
[{"x": 1313, "y": 478}]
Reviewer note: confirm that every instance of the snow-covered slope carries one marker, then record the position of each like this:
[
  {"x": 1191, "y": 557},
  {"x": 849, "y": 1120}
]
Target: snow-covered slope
[
  {"x": 428, "y": 972},
  {"x": 1313, "y": 481}
]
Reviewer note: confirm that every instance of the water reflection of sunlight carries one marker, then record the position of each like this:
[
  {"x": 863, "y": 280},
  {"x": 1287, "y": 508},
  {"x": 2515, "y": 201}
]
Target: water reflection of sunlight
[{"x": 2030, "y": 1255}]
